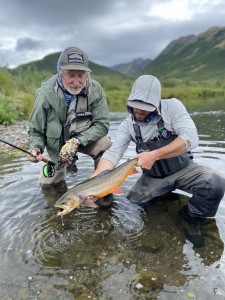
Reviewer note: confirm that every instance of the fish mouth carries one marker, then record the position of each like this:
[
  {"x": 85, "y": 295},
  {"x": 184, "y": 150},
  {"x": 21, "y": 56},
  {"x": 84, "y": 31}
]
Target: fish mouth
[{"x": 63, "y": 210}]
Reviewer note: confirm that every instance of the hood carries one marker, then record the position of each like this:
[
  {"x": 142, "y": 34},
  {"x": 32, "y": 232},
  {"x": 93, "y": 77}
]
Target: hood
[{"x": 145, "y": 94}]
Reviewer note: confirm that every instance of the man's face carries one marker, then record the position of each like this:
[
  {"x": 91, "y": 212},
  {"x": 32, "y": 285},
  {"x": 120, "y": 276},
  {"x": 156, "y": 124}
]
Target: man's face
[
  {"x": 140, "y": 114},
  {"x": 74, "y": 80}
]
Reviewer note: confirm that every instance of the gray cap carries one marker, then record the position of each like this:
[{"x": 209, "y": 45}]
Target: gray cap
[
  {"x": 73, "y": 58},
  {"x": 141, "y": 105}
]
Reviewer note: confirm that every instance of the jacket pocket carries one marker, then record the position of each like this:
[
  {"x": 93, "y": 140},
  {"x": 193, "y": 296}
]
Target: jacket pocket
[{"x": 53, "y": 134}]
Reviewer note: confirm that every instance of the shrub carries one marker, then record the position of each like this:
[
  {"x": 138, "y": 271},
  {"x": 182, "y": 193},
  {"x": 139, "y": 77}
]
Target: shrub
[
  {"x": 28, "y": 103},
  {"x": 7, "y": 86},
  {"x": 10, "y": 110}
]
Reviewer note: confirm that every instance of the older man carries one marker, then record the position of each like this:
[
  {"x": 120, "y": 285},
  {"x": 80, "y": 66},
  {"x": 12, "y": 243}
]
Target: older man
[{"x": 70, "y": 114}]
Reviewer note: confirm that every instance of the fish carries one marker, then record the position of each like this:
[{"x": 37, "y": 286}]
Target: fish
[{"x": 105, "y": 183}]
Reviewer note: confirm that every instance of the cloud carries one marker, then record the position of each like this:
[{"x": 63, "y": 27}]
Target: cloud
[
  {"x": 111, "y": 32},
  {"x": 27, "y": 44}
]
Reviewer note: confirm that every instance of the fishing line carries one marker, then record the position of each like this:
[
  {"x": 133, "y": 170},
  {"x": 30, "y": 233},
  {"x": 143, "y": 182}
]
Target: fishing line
[
  {"x": 25, "y": 210},
  {"x": 11, "y": 239},
  {"x": 48, "y": 171},
  {"x": 22, "y": 214}
]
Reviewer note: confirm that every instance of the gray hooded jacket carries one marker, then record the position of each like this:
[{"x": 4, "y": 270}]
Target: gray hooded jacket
[{"x": 176, "y": 119}]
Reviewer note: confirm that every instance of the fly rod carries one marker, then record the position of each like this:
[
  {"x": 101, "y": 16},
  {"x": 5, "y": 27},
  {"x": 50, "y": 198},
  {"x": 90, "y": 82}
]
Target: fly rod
[{"x": 48, "y": 169}]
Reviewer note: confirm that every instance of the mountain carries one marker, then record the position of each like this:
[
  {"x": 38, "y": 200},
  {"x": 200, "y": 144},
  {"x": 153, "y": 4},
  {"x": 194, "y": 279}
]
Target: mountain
[
  {"x": 193, "y": 57},
  {"x": 132, "y": 68},
  {"x": 190, "y": 58},
  {"x": 48, "y": 64}
]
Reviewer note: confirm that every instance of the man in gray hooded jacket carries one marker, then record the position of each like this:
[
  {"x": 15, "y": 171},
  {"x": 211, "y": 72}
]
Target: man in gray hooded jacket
[{"x": 164, "y": 135}]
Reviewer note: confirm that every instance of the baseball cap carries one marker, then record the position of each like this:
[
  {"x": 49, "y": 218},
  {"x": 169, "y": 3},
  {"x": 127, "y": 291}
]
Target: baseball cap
[
  {"x": 141, "y": 105},
  {"x": 73, "y": 58}
]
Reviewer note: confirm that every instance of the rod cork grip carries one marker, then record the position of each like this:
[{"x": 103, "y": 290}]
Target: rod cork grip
[{"x": 45, "y": 160}]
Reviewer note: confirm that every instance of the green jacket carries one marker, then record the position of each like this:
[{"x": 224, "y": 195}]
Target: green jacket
[{"x": 48, "y": 117}]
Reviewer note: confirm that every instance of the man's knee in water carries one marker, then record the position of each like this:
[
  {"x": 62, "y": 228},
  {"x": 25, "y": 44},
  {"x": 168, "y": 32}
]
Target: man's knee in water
[{"x": 218, "y": 187}]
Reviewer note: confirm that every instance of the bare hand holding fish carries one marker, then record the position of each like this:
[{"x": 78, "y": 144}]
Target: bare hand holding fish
[{"x": 96, "y": 187}]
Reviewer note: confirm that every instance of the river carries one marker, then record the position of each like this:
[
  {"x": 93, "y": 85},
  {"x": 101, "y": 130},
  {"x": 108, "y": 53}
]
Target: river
[{"x": 124, "y": 252}]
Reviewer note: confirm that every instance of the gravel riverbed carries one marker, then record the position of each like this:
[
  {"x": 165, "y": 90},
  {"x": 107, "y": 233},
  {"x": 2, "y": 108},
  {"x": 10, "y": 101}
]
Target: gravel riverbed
[{"x": 16, "y": 134}]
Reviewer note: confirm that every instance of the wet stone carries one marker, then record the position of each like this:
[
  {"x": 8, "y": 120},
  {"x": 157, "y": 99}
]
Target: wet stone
[
  {"x": 85, "y": 259},
  {"x": 85, "y": 296},
  {"x": 150, "y": 280},
  {"x": 151, "y": 244},
  {"x": 6, "y": 297}
]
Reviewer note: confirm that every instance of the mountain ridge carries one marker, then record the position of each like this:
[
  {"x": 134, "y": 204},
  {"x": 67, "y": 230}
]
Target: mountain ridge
[
  {"x": 192, "y": 57},
  {"x": 133, "y": 67}
]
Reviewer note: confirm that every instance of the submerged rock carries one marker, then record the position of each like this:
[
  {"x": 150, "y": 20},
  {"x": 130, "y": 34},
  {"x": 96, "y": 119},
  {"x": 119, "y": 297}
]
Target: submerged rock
[
  {"x": 151, "y": 244},
  {"x": 150, "y": 280}
]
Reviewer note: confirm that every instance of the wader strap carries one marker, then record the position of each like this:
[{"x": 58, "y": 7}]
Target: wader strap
[
  {"x": 140, "y": 147},
  {"x": 76, "y": 103},
  {"x": 160, "y": 125},
  {"x": 137, "y": 131}
]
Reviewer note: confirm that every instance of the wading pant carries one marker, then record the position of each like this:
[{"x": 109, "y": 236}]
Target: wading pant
[
  {"x": 94, "y": 150},
  {"x": 206, "y": 186}
]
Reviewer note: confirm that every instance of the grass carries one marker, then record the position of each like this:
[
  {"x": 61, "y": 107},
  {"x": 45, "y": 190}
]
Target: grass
[{"x": 17, "y": 92}]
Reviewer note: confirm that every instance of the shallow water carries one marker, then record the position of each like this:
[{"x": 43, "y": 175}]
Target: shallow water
[{"x": 124, "y": 252}]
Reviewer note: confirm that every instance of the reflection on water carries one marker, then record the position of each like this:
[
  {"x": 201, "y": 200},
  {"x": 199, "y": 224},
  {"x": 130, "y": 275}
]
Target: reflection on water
[{"x": 123, "y": 252}]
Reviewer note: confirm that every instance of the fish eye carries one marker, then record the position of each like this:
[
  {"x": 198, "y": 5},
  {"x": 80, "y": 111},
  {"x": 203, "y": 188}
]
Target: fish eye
[{"x": 63, "y": 202}]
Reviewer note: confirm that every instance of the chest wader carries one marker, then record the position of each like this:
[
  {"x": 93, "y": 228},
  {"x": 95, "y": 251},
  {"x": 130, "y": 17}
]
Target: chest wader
[
  {"x": 162, "y": 167},
  {"x": 78, "y": 116}
]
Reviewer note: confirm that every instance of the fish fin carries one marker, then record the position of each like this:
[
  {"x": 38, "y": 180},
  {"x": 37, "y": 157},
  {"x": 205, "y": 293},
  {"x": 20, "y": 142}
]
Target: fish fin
[
  {"x": 89, "y": 202},
  {"x": 117, "y": 191},
  {"x": 134, "y": 171}
]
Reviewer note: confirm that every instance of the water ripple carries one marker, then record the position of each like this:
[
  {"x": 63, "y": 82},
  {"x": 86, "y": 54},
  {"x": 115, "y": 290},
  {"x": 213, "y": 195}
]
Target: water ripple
[{"x": 97, "y": 251}]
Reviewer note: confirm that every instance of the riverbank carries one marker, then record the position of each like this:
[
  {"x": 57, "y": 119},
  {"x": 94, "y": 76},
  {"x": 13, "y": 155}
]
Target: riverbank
[{"x": 16, "y": 134}]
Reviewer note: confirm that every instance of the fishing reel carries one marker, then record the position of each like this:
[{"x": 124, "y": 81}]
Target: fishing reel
[{"x": 49, "y": 169}]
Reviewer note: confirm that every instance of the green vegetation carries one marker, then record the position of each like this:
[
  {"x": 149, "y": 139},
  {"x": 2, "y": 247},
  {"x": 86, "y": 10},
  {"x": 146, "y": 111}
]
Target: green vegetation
[
  {"x": 13, "y": 102},
  {"x": 190, "y": 69},
  {"x": 192, "y": 91},
  {"x": 17, "y": 91}
]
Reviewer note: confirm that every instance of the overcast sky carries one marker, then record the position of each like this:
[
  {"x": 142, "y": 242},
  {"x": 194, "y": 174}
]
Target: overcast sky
[{"x": 110, "y": 31}]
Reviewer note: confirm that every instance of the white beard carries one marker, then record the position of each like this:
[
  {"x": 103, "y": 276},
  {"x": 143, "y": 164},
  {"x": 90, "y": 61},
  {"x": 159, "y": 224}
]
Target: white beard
[{"x": 75, "y": 93}]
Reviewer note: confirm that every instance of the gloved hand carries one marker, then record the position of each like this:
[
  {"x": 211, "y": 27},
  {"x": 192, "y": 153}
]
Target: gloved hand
[
  {"x": 68, "y": 152},
  {"x": 35, "y": 156}
]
